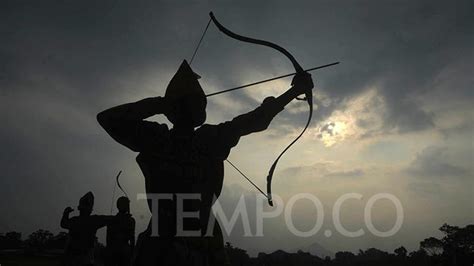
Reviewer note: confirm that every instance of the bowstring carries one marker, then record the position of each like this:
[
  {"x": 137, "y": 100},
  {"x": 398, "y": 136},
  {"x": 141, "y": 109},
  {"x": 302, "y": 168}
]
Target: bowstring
[
  {"x": 200, "y": 41},
  {"x": 227, "y": 160},
  {"x": 248, "y": 179}
]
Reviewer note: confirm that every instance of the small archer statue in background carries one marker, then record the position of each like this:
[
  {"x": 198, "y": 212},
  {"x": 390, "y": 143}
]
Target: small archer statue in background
[
  {"x": 121, "y": 236},
  {"x": 82, "y": 232}
]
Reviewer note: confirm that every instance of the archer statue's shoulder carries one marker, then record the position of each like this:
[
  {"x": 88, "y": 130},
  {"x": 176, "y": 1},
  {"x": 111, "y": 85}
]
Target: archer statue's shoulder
[{"x": 221, "y": 136}]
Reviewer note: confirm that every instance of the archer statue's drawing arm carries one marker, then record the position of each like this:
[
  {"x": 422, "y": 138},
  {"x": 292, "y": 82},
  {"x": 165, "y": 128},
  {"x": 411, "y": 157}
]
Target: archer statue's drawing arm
[
  {"x": 65, "y": 220},
  {"x": 125, "y": 123}
]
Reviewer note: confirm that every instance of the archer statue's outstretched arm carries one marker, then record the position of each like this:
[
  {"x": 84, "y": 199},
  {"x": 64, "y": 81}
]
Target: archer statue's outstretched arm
[
  {"x": 125, "y": 123},
  {"x": 260, "y": 118}
]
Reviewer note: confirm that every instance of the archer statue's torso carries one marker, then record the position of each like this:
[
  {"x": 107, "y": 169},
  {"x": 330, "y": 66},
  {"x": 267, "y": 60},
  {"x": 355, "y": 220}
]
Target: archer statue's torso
[{"x": 190, "y": 165}]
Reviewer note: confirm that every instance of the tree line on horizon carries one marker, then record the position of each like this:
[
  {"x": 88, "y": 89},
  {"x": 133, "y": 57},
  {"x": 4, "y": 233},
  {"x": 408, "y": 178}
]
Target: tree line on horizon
[{"x": 455, "y": 248}]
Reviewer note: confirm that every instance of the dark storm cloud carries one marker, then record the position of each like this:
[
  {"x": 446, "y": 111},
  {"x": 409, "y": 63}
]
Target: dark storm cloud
[
  {"x": 75, "y": 41},
  {"x": 432, "y": 163},
  {"x": 400, "y": 47}
]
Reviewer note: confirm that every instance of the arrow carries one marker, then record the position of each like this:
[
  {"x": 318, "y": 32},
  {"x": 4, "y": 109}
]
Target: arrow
[{"x": 270, "y": 79}]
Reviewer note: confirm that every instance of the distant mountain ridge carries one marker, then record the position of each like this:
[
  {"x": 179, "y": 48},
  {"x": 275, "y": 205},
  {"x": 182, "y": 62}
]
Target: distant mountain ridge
[{"x": 316, "y": 249}]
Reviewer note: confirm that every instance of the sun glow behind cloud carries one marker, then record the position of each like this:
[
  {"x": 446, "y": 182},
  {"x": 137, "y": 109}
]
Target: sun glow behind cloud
[
  {"x": 357, "y": 117},
  {"x": 360, "y": 117}
]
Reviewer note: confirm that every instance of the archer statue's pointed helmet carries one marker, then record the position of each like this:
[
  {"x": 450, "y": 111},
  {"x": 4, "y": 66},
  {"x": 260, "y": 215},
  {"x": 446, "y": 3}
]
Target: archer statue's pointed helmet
[
  {"x": 87, "y": 201},
  {"x": 187, "y": 96}
]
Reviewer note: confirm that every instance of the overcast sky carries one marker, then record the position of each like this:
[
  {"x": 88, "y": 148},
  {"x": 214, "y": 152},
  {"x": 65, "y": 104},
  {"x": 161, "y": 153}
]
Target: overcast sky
[{"x": 396, "y": 116}]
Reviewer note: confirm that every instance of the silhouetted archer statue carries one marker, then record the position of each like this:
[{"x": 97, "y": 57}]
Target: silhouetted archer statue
[
  {"x": 82, "y": 232},
  {"x": 187, "y": 158},
  {"x": 121, "y": 236}
]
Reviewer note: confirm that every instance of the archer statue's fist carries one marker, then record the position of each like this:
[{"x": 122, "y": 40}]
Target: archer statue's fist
[
  {"x": 68, "y": 210},
  {"x": 302, "y": 82}
]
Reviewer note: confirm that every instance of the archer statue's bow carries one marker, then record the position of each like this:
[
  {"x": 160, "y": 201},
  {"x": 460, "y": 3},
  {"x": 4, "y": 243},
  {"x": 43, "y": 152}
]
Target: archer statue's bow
[
  {"x": 118, "y": 184},
  {"x": 299, "y": 70},
  {"x": 117, "y": 181}
]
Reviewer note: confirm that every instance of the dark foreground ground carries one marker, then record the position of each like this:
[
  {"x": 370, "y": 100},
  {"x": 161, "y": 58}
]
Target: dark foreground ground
[
  {"x": 456, "y": 248},
  {"x": 240, "y": 258}
]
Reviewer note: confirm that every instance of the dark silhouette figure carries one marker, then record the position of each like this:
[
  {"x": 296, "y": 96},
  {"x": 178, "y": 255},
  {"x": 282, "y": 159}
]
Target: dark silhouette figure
[
  {"x": 121, "y": 236},
  {"x": 184, "y": 159},
  {"x": 82, "y": 231}
]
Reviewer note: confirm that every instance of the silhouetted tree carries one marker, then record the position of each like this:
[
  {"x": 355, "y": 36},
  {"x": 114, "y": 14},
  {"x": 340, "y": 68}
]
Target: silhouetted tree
[
  {"x": 432, "y": 246},
  {"x": 344, "y": 257},
  {"x": 11, "y": 240},
  {"x": 458, "y": 244},
  {"x": 419, "y": 258},
  {"x": 237, "y": 256},
  {"x": 327, "y": 259},
  {"x": 401, "y": 251},
  {"x": 373, "y": 253},
  {"x": 39, "y": 239},
  {"x": 58, "y": 241}
]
